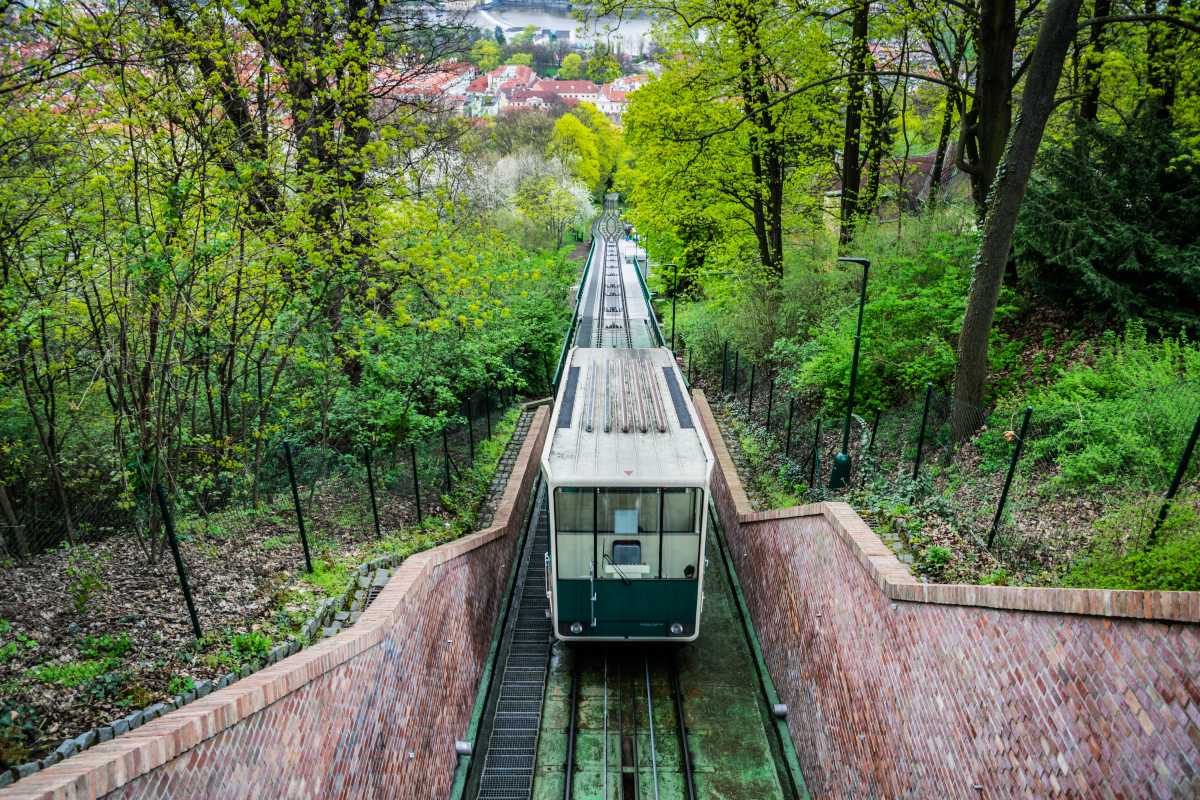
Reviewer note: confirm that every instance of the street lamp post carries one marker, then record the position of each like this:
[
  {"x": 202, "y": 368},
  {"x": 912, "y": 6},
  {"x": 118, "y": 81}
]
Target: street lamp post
[
  {"x": 674, "y": 295},
  {"x": 839, "y": 476}
]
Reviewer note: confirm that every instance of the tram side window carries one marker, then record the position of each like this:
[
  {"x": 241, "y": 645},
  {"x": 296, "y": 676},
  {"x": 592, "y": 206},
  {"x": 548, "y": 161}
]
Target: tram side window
[
  {"x": 627, "y": 524},
  {"x": 574, "y": 522},
  {"x": 681, "y": 533}
]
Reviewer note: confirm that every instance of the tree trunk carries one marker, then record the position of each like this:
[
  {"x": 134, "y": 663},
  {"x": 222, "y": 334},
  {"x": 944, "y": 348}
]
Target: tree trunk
[
  {"x": 939, "y": 160},
  {"x": 1089, "y": 106},
  {"x": 1054, "y": 38},
  {"x": 990, "y": 118},
  {"x": 10, "y": 519},
  {"x": 851, "y": 159}
]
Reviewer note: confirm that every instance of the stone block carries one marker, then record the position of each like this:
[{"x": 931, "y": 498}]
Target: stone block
[
  {"x": 332, "y": 630},
  {"x": 51, "y": 760},
  {"x": 26, "y": 769},
  {"x": 203, "y": 688},
  {"x": 119, "y": 726},
  {"x": 86, "y": 739},
  {"x": 68, "y": 748},
  {"x": 104, "y": 733}
]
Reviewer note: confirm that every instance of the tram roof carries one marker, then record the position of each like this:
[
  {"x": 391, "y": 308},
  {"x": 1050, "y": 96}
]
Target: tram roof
[{"x": 623, "y": 417}]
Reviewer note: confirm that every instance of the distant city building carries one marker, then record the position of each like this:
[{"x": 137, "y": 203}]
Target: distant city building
[{"x": 510, "y": 87}]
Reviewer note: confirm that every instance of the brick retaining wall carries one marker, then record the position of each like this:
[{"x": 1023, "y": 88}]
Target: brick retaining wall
[
  {"x": 898, "y": 688},
  {"x": 371, "y": 712}
]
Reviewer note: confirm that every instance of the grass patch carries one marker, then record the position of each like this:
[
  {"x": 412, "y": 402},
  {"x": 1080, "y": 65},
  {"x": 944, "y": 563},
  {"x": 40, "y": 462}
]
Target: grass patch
[{"x": 72, "y": 673}]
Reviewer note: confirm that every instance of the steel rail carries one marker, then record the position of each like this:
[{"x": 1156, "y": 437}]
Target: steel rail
[
  {"x": 650, "y": 726},
  {"x": 572, "y": 732},
  {"x": 685, "y": 753}
]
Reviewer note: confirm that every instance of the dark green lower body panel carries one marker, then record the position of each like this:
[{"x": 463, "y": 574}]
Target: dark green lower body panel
[{"x": 641, "y": 608}]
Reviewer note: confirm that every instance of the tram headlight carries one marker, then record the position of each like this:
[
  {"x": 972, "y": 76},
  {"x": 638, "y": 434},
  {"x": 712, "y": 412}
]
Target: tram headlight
[
  {"x": 676, "y": 629},
  {"x": 576, "y": 628}
]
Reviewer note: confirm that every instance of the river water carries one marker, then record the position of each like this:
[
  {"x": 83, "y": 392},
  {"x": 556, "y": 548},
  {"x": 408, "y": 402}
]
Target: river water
[{"x": 627, "y": 35}]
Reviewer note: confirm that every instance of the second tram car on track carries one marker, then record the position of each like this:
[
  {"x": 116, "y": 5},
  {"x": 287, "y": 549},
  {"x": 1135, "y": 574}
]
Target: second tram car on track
[{"x": 627, "y": 468}]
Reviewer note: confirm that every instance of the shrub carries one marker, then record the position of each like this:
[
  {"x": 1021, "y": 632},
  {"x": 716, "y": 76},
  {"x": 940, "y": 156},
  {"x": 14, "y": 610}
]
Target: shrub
[
  {"x": 71, "y": 673},
  {"x": 1120, "y": 421},
  {"x": 247, "y": 647},
  {"x": 1173, "y": 565},
  {"x": 915, "y": 302},
  {"x": 1109, "y": 221}
]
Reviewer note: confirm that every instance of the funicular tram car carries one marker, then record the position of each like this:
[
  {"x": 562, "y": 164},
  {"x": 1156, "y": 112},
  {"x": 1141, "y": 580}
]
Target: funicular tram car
[{"x": 627, "y": 467}]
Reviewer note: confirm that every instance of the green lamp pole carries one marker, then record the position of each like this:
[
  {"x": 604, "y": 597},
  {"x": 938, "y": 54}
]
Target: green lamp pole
[
  {"x": 839, "y": 476},
  {"x": 674, "y": 295}
]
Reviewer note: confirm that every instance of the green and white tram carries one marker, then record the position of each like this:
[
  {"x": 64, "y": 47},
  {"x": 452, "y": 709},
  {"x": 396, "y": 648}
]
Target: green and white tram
[{"x": 627, "y": 466}]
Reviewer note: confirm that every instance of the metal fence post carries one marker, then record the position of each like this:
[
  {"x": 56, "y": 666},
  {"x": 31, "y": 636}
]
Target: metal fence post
[
  {"x": 412, "y": 454},
  {"x": 787, "y": 445},
  {"x": 470, "y": 429},
  {"x": 921, "y": 435},
  {"x": 1012, "y": 468},
  {"x": 724, "y": 364},
  {"x": 770, "y": 401},
  {"x": 180, "y": 569},
  {"x": 287, "y": 456},
  {"x": 874, "y": 428},
  {"x": 737, "y": 367},
  {"x": 815, "y": 469},
  {"x": 446, "y": 460},
  {"x": 750, "y": 408},
  {"x": 371, "y": 490},
  {"x": 1180, "y": 470},
  {"x": 487, "y": 411}
]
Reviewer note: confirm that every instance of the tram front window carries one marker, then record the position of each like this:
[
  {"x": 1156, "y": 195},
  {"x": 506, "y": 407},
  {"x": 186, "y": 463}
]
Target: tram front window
[
  {"x": 628, "y": 534},
  {"x": 627, "y": 529},
  {"x": 575, "y": 524}
]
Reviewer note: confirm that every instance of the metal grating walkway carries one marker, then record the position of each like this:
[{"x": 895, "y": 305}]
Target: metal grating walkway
[{"x": 508, "y": 768}]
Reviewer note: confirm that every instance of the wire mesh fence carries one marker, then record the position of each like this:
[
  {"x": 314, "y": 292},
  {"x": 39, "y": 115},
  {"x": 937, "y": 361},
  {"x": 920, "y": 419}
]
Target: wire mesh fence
[{"x": 1025, "y": 486}]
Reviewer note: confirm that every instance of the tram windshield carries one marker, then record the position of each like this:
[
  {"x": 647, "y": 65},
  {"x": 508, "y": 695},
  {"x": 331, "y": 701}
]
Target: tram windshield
[{"x": 628, "y": 534}]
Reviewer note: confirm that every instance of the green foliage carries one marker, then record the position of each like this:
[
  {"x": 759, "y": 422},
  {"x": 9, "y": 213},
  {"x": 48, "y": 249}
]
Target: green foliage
[
  {"x": 83, "y": 574},
  {"x": 19, "y": 725},
  {"x": 13, "y": 643},
  {"x": 180, "y": 684},
  {"x": 915, "y": 302},
  {"x": 249, "y": 647},
  {"x": 934, "y": 559},
  {"x": 1118, "y": 419},
  {"x": 71, "y": 673},
  {"x": 105, "y": 646},
  {"x": 571, "y": 67},
  {"x": 1109, "y": 222},
  {"x": 1173, "y": 565}
]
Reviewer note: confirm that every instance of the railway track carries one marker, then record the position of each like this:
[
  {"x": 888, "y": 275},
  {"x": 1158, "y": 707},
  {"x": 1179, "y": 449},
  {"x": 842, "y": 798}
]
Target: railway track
[{"x": 655, "y": 762}]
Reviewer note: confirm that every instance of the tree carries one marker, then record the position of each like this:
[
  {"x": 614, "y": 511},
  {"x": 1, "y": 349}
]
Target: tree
[
  {"x": 547, "y": 201},
  {"x": 485, "y": 54},
  {"x": 575, "y": 145},
  {"x": 1041, "y": 84},
  {"x": 525, "y": 37},
  {"x": 571, "y": 67},
  {"x": 520, "y": 59},
  {"x": 602, "y": 65},
  {"x": 724, "y": 129},
  {"x": 856, "y": 96}
]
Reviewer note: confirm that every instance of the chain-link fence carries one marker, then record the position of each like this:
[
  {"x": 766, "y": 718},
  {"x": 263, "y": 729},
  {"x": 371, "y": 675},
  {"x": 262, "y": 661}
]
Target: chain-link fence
[{"x": 1023, "y": 486}]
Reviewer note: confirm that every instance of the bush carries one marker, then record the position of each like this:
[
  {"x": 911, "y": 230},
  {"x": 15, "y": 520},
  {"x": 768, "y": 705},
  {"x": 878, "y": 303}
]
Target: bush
[
  {"x": 1121, "y": 420},
  {"x": 1109, "y": 221},
  {"x": 915, "y": 302},
  {"x": 1173, "y": 565}
]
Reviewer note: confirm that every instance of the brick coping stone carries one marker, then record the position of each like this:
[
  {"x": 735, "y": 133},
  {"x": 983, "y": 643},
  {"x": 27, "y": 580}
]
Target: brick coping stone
[
  {"x": 897, "y": 583},
  {"x": 109, "y": 766}
]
